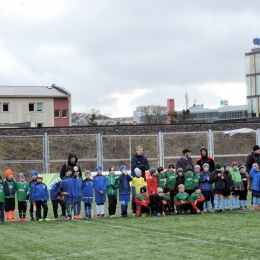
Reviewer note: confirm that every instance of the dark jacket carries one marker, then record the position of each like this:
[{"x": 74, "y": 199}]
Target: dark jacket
[
  {"x": 251, "y": 159},
  {"x": 140, "y": 162},
  {"x": 124, "y": 184},
  {"x": 183, "y": 162},
  {"x": 63, "y": 168},
  {"x": 228, "y": 181},
  {"x": 7, "y": 190},
  {"x": 206, "y": 159},
  {"x": 179, "y": 180},
  {"x": 219, "y": 184}
]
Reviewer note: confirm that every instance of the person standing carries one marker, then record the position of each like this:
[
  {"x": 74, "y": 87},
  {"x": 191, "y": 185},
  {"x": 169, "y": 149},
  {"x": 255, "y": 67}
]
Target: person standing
[
  {"x": 72, "y": 162},
  {"x": 205, "y": 158},
  {"x": 185, "y": 160},
  {"x": 139, "y": 161},
  {"x": 253, "y": 157}
]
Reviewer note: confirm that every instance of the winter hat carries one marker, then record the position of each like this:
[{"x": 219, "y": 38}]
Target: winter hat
[
  {"x": 188, "y": 168},
  {"x": 256, "y": 147},
  {"x": 160, "y": 169},
  {"x": 137, "y": 171},
  {"x": 33, "y": 172},
  {"x": 171, "y": 165},
  {"x": 8, "y": 172},
  {"x": 143, "y": 189},
  {"x": 196, "y": 167},
  {"x": 241, "y": 167},
  {"x": 218, "y": 166},
  {"x": 205, "y": 165},
  {"x": 87, "y": 172},
  {"x": 152, "y": 170},
  {"x": 68, "y": 168},
  {"x": 255, "y": 165},
  {"x": 225, "y": 165},
  {"x": 39, "y": 176},
  {"x": 179, "y": 170},
  {"x": 123, "y": 167},
  {"x": 98, "y": 168},
  {"x": 75, "y": 168},
  {"x": 234, "y": 164},
  {"x": 21, "y": 175},
  {"x": 166, "y": 189},
  {"x": 159, "y": 190}
]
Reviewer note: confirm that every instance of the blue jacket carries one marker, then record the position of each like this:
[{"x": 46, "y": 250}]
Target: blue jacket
[
  {"x": 205, "y": 184},
  {"x": 68, "y": 186},
  {"x": 100, "y": 183},
  {"x": 32, "y": 184},
  {"x": 40, "y": 192},
  {"x": 87, "y": 189},
  {"x": 55, "y": 191},
  {"x": 255, "y": 179},
  {"x": 124, "y": 184},
  {"x": 78, "y": 188}
]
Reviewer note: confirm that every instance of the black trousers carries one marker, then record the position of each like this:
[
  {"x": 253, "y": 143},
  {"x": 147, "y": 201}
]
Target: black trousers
[
  {"x": 183, "y": 207},
  {"x": 243, "y": 195},
  {"x": 2, "y": 211},
  {"x": 39, "y": 205},
  {"x": 9, "y": 204},
  {"x": 55, "y": 204},
  {"x": 22, "y": 207},
  {"x": 152, "y": 203},
  {"x": 200, "y": 207},
  {"x": 112, "y": 202}
]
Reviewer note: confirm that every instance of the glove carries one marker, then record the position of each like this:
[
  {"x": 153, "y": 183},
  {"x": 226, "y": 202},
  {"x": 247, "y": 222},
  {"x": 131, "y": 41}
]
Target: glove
[
  {"x": 159, "y": 214},
  {"x": 113, "y": 186}
]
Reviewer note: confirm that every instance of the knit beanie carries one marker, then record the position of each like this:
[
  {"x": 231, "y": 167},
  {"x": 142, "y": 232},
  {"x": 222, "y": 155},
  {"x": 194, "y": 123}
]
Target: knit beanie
[
  {"x": 179, "y": 170},
  {"x": 87, "y": 172},
  {"x": 188, "y": 168},
  {"x": 255, "y": 165},
  {"x": 33, "y": 172},
  {"x": 152, "y": 170},
  {"x": 256, "y": 147},
  {"x": 98, "y": 168},
  {"x": 122, "y": 167},
  {"x": 218, "y": 166},
  {"x": 68, "y": 168},
  {"x": 241, "y": 167},
  {"x": 205, "y": 165},
  {"x": 143, "y": 189},
  {"x": 8, "y": 172},
  {"x": 234, "y": 164},
  {"x": 137, "y": 171},
  {"x": 159, "y": 190},
  {"x": 197, "y": 167}
]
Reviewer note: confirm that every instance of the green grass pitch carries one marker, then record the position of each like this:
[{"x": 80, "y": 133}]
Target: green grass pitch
[{"x": 227, "y": 235}]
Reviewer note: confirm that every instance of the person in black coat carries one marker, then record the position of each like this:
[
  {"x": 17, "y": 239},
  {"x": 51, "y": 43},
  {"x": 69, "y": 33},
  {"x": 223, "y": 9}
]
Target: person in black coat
[
  {"x": 253, "y": 157},
  {"x": 72, "y": 162}
]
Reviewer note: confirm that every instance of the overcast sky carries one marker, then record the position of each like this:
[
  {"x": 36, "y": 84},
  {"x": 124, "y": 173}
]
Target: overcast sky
[{"x": 115, "y": 55}]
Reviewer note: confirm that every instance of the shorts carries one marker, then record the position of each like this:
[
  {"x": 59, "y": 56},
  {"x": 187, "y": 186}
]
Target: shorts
[
  {"x": 124, "y": 197},
  {"x": 255, "y": 193},
  {"x": 218, "y": 191},
  {"x": 100, "y": 198},
  {"x": 207, "y": 194}
]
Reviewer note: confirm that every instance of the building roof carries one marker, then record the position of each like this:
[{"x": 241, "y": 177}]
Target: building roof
[
  {"x": 232, "y": 108},
  {"x": 33, "y": 91}
]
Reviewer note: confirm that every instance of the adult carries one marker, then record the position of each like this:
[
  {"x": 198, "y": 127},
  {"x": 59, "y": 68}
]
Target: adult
[
  {"x": 185, "y": 160},
  {"x": 253, "y": 157},
  {"x": 139, "y": 161},
  {"x": 205, "y": 158},
  {"x": 73, "y": 163}
]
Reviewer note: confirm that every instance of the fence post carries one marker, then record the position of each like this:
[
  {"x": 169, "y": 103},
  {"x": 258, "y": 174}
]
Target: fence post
[
  {"x": 258, "y": 136},
  {"x": 99, "y": 149},
  {"x": 46, "y": 153},
  {"x": 210, "y": 143},
  {"x": 160, "y": 149}
]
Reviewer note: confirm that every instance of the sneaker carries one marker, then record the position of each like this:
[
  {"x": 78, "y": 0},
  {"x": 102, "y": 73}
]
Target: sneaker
[
  {"x": 255, "y": 208},
  {"x": 143, "y": 215},
  {"x": 8, "y": 220},
  {"x": 202, "y": 213},
  {"x": 65, "y": 218},
  {"x": 12, "y": 220},
  {"x": 23, "y": 219},
  {"x": 98, "y": 216},
  {"x": 216, "y": 211},
  {"x": 112, "y": 216},
  {"x": 163, "y": 214},
  {"x": 76, "y": 217},
  {"x": 240, "y": 208},
  {"x": 171, "y": 213},
  {"x": 40, "y": 219},
  {"x": 245, "y": 207},
  {"x": 103, "y": 216},
  {"x": 220, "y": 210},
  {"x": 79, "y": 217},
  {"x": 32, "y": 219},
  {"x": 159, "y": 214},
  {"x": 20, "y": 220},
  {"x": 46, "y": 219},
  {"x": 89, "y": 216},
  {"x": 55, "y": 219},
  {"x": 209, "y": 211}
]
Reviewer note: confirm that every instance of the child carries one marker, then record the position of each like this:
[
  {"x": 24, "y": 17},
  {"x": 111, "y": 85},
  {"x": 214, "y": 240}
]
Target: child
[
  {"x": 179, "y": 179},
  {"x": 152, "y": 186},
  {"x": 218, "y": 179},
  {"x": 255, "y": 185},
  {"x": 160, "y": 177},
  {"x": 206, "y": 188},
  {"x": 100, "y": 187},
  {"x": 196, "y": 176},
  {"x": 237, "y": 185},
  {"x": 142, "y": 203},
  {"x": 137, "y": 183},
  {"x": 33, "y": 181},
  {"x": 243, "y": 192},
  {"x": 87, "y": 192},
  {"x": 197, "y": 199},
  {"x": 167, "y": 202},
  {"x": 9, "y": 190},
  {"x": 56, "y": 199},
  {"x": 78, "y": 193},
  {"x": 228, "y": 187},
  {"x": 188, "y": 176},
  {"x": 170, "y": 177},
  {"x": 2, "y": 201},
  {"x": 41, "y": 197},
  {"x": 124, "y": 189},
  {"x": 181, "y": 200},
  {"x": 159, "y": 203},
  {"x": 112, "y": 186},
  {"x": 67, "y": 184},
  {"x": 23, "y": 193}
]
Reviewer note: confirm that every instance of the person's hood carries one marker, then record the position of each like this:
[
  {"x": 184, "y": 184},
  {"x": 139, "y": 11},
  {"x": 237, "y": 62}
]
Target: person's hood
[
  {"x": 72, "y": 155},
  {"x": 203, "y": 148}
]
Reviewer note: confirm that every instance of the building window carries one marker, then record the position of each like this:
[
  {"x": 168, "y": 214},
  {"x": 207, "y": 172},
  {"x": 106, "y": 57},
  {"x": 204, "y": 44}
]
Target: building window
[
  {"x": 5, "y": 107},
  {"x": 31, "y": 107},
  {"x": 65, "y": 113},
  {"x": 57, "y": 113},
  {"x": 39, "y": 107},
  {"x": 40, "y": 125}
]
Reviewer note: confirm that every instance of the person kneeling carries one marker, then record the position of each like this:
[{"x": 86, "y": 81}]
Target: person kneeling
[
  {"x": 142, "y": 203},
  {"x": 197, "y": 200},
  {"x": 181, "y": 201}
]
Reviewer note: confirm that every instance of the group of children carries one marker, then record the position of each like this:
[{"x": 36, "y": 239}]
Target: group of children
[{"x": 169, "y": 191}]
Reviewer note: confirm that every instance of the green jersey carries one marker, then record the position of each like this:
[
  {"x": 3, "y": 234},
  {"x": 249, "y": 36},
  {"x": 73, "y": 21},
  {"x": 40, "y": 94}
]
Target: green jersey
[
  {"x": 160, "y": 180},
  {"x": 188, "y": 183},
  {"x": 23, "y": 190},
  {"x": 2, "y": 194},
  {"x": 167, "y": 197},
  {"x": 170, "y": 179},
  {"x": 181, "y": 196},
  {"x": 11, "y": 186},
  {"x": 196, "y": 179},
  {"x": 195, "y": 196}
]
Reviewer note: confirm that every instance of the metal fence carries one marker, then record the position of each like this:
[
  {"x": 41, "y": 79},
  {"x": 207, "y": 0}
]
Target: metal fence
[{"x": 47, "y": 153}]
